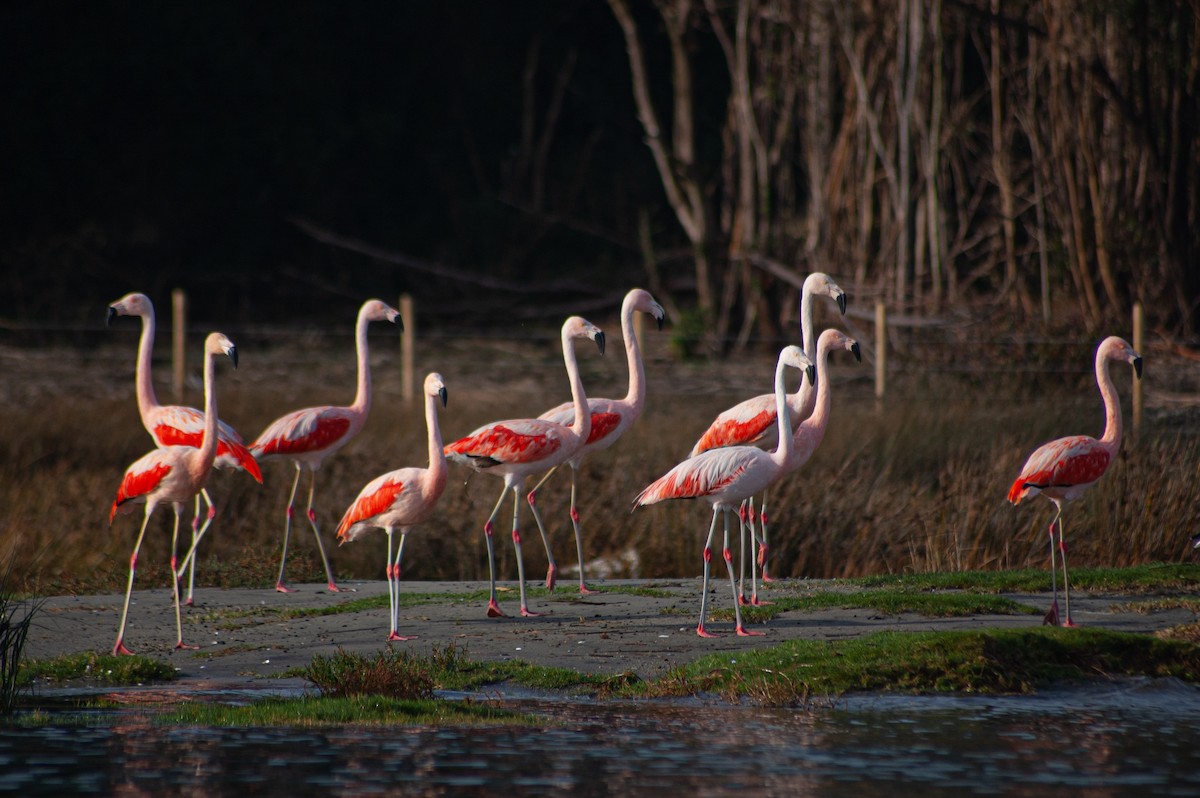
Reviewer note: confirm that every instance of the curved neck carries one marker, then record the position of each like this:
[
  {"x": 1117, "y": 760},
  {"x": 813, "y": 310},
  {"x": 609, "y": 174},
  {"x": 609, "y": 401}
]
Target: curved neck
[
  {"x": 437, "y": 455},
  {"x": 208, "y": 444},
  {"x": 1112, "y": 405},
  {"x": 583, "y": 415},
  {"x": 146, "y": 399},
  {"x": 784, "y": 450},
  {"x": 636, "y": 396},
  {"x": 809, "y": 344},
  {"x": 362, "y": 395},
  {"x": 820, "y": 412}
]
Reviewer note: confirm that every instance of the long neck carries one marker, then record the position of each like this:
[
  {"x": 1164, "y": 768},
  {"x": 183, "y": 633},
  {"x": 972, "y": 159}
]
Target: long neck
[
  {"x": 820, "y": 415},
  {"x": 208, "y": 444},
  {"x": 1112, "y": 405},
  {"x": 146, "y": 399},
  {"x": 804, "y": 393},
  {"x": 437, "y": 455},
  {"x": 583, "y": 415},
  {"x": 636, "y": 396},
  {"x": 362, "y": 396},
  {"x": 784, "y": 450}
]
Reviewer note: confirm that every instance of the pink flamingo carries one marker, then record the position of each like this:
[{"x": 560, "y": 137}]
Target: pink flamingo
[
  {"x": 753, "y": 422},
  {"x": 401, "y": 499},
  {"x": 517, "y": 448},
  {"x": 727, "y": 476},
  {"x": 172, "y": 474},
  {"x": 306, "y": 437},
  {"x": 175, "y": 425},
  {"x": 1064, "y": 469},
  {"x": 610, "y": 417}
]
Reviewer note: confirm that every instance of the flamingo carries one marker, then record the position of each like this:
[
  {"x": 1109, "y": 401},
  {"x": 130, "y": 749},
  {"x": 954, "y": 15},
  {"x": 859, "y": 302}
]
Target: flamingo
[
  {"x": 401, "y": 499},
  {"x": 172, "y": 474},
  {"x": 520, "y": 447},
  {"x": 753, "y": 422},
  {"x": 1064, "y": 469},
  {"x": 610, "y": 417},
  {"x": 306, "y": 437},
  {"x": 729, "y": 475},
  {"x": 175, "y": 425}
]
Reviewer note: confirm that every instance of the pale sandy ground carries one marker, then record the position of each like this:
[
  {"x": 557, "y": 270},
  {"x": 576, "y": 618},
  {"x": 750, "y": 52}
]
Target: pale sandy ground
[{"x": 601, "y": 633}]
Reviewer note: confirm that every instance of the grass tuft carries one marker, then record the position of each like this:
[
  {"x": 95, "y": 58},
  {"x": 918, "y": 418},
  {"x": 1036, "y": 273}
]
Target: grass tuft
[{"x": 97, "y": 668}]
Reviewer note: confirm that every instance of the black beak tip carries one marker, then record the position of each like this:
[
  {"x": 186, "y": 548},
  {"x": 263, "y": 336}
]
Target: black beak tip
[
  {"x": 444, "y": 396},
  {"x": 233, "y": 355},
  {"x": 841, "y": 300},
  {"x": 399, "y": 322},
  {"x": 112, "y": 314},
  {"x": 811, "y": 371},
  {"x": 600, "y": 341},
  {"x": 857, "y": 351},
  {"x": 660, "y": 321},
  {"x": 1137, "y": 367}
]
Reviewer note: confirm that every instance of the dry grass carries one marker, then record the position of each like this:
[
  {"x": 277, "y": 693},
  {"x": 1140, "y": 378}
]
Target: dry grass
[{"x": 916, "y": 485}]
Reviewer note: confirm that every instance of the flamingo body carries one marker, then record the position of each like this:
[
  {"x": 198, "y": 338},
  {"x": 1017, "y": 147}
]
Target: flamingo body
[
  {"x": 1063, "y": 469},
  {"x": 610, "y": 418},
  {"x": 746, "y": 423},
  {"x": 172, "y": 475},
  {"x": 173, "y": 425},
  {"x": 516, "y": 448},
  {"x": 306, "y": 437},
  {"x": 728, "y": 476}
]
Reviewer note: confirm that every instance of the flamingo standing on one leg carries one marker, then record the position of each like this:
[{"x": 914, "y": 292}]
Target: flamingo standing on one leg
[
  {"x": 610, "y": 417},
  {"x": 1064, "y": 469},
  {"x": 753, "y": 422},
  {"x": 173, "y": 474},
  {"x": 306, "y": 437},
  {"x": 727, "y": 476},
  {"x": 175, "y": 425},
  {"x": 401, "y": 499},
  {"x": 517, "y": 448}
]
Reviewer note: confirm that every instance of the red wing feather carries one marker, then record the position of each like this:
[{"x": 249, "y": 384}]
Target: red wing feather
[
  {"x": 325, "y": 432},
  {"x": 602, "y": 425},
  {"x": 371, "y": 505},
  {"x": 502, "y": 443},
  {"x": 736, "y": 431},
  {"x": 136, "y": 484},
  {"x": 1066, "y": 462}
]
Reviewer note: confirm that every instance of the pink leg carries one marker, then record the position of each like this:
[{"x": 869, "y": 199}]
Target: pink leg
[
  {"x": 1051, "y": 617},
  {"x": 1062, "y": 550},
  {"x": 712, "y": 528},
  {"x": 493, "y": 609},
  {"x": 737, "y": 610},
  {"x": 119, "y": 647},
  {"x": 762, "y": 548},
  {"x": 394, "y": 576},
  {"x": 552, "y": 568},
  {"x": 745, "y": 511},
  {"x": 583, "y": 588},
  {"x": 312, "y": 520},
  {"x": 287, "y": 533},
  {"x": 516, "y": 538},
  {"x": 179, "y": 644}
]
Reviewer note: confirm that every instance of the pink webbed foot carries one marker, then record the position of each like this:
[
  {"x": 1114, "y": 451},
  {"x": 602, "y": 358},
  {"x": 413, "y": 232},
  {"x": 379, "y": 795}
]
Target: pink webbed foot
[
  {"x": 757, "y": 602},
  {"x": 587, "y": 591},
  {"x": 332, "y": 588},
  {"x": 1070, "y": 624},
  {"x": 182, "y": 646},
  {"x": 766, "y": 577},
  {"x": 494, "y": 611},
  {"x": 189, "y": 602},
  {"x": 280, "y": 587},
  {"x": 743, "y": 601},
  {"x": 702, "y": 632},
  {"x": 528, "y": 613},
  {"x": 744, "y": 632},
  {"x": 393, "y": 637},
  {"x": 551, "y": 577},
  {"x": 1051, "y": 617},
  {"x": 119, "y": 650}
]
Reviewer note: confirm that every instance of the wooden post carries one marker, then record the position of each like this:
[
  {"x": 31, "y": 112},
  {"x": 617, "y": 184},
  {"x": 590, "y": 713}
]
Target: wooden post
[
  {"x": 1139, "y": 331},
  {"x": 407, "y": 346},
  {"x": 880, "y": 350},
  {"x": 178, "y": 349}
]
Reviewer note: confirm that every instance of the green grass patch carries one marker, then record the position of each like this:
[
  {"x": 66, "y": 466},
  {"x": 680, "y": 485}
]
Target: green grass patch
[
  {"x": 889, "y": 602},
  {"x": 95, "y": 668},
  {"x": 1137, "y": 578},
  {"x": 992, "y": 661},
  {"x": 357, "y": 710}
]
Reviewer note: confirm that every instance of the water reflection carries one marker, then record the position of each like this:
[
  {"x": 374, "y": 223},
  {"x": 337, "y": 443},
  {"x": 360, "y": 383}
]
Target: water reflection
[{"x": 1121, "y": 742}]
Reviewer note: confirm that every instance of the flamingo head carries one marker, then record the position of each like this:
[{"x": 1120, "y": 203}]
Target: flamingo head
[
  {"x": 821, "y": 284},
  {"x": 1117, "y": 348},
  {"x": 577, "y": 327},
  {"x": 794, "y": 356},
  {"x": 378, "y": 310},
  {"x": 218, "y": 344},
  {"x": 134, "y": 304},
  {"x": 642, "y": 301},
  {"x": 434, "y": 386}
]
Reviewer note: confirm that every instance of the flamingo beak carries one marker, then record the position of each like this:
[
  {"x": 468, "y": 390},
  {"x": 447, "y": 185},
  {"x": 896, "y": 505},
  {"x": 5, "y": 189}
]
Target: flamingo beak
[
  {"x": 233, "y": 355},
  {"x": 857, "y": 351},
  {"x": 112, "y": 314},
  {"x": 444, "y": 396},
  {"x": 811, "y": 371},
  {"x": 600, "y": 340},
  {"x": 841, "y": 300},
  {"x": 1137, "y": 367},
  {"x": 660, "y": 315},
  {"x": 398, "y": 321}
]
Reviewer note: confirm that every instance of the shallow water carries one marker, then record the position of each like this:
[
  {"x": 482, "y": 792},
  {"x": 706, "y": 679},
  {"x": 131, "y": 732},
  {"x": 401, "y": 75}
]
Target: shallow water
[{"x": 1132, "y": 739}]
